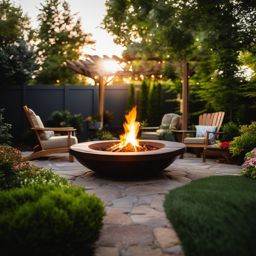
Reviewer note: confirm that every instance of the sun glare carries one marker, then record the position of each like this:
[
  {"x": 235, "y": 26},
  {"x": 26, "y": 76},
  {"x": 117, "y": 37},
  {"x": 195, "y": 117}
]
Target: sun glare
[{"x": 110, "y": 66}]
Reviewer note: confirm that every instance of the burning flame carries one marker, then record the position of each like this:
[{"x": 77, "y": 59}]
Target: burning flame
[{"x": 129, "y": 139}]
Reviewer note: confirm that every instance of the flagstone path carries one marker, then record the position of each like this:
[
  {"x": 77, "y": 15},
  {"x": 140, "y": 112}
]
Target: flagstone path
[{"x": 135, "y": 222}]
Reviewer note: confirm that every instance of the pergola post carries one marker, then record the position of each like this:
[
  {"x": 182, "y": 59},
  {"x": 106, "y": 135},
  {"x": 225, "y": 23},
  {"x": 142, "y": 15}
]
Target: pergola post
[
  {"x": 185, "y": 91},
  {"x": 101, "y": 101}
]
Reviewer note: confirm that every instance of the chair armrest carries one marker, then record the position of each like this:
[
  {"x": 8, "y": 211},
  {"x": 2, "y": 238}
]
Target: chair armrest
[
  {"x": 181, "y": 134},
  {"x": 55, "y": 129},
  {"x": 149, "y": 128}
]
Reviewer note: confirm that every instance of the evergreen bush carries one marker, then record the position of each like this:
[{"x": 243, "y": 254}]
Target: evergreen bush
[
  {"x": 49, "y": 220},
  {"x": 131, "y": 97},
  {"x": 143, "y": 101},
  {"x": 154, "y": 105}
]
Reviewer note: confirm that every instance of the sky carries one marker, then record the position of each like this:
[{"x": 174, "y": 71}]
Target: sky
[{"x": 92, "y": 13}]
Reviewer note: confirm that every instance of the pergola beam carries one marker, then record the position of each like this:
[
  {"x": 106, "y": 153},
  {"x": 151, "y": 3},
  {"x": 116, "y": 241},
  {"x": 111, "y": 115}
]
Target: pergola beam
[{"x": 91, "y": 67}]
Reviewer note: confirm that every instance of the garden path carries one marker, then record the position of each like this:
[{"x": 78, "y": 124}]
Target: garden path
[{"x": 135, "y": 222}]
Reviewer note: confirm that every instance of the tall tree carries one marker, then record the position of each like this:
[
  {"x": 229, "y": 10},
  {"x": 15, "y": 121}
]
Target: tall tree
[
  {"x": 60, "y": 38},
  {"x": 190, "y": 31},
  {"x": 17, "y": 58}
]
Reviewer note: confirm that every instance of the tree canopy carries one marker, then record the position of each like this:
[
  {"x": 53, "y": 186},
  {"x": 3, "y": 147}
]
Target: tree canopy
[
  {"x": 17, "y": 58},
  {"x": 209, "y": 34},
  {"x": 60, "y": 38}
]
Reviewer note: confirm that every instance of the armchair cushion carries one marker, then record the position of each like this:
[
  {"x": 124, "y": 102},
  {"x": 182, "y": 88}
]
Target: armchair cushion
[
  {"x": 58, "y": 142},
  {"x": 194, "y": 140},
  {"x": 201, "y": 131}
]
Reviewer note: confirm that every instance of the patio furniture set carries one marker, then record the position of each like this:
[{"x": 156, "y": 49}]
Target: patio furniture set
[{"x": 52, "y": 140}]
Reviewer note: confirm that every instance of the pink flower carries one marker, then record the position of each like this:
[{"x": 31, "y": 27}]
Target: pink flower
[{"x": 250, "y": 162}]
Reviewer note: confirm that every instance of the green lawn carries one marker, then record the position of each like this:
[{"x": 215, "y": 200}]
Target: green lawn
[{"x": 215, "y": 216}]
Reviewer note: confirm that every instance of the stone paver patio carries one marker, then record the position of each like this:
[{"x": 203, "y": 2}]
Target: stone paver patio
[{"x": 135, "y": 222}]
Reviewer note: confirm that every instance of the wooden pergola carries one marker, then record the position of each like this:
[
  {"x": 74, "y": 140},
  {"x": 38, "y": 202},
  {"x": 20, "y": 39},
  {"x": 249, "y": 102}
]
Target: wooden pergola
[{"x": 93, "y": 68}]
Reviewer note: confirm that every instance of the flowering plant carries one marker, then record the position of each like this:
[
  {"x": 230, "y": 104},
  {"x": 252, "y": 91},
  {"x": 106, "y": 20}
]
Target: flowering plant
[
  {"x": 249, "y": 166},
  {"x": 225, "y": 144}
]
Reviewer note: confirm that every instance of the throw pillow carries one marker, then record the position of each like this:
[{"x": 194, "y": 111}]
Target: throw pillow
[
  {"x": 202, "y": 129},
  {"x": 45, "y": 135},
  {"x": 174, "y": 125}
]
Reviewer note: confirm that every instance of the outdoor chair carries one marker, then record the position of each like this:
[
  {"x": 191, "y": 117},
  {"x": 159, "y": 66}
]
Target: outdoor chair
[
  {"x": 206, "y": 132},
  {"x": 51, "y": 140},
  {"x": 170, "y": 122}
]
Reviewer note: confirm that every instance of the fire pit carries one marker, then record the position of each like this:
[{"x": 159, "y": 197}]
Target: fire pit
[
  {"x": 127, "y": 157},
  {"x": 127, "y": 164}
]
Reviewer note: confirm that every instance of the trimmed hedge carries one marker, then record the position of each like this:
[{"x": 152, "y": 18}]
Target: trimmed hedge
[
  {"x": 215, "y": 216},
  {"x": 45, "y": 220}
]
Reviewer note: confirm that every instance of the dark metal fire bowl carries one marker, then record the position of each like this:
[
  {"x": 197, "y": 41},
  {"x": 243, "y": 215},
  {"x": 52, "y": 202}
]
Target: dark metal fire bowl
[{"x": 126, "y": 164}]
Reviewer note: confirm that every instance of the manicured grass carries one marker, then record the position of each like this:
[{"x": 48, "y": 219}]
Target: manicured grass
[{"x": 215, "y": 216}]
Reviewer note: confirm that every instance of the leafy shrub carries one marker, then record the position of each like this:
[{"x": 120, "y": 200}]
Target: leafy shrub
[
  {"x": 5, "y": 136},
  {"x": 108, "y": 117},
  {"x": 230, "y": 131},
  {"x": 246, "y": 141},
  {"x": 15, "y": 173},
  {"x": 166, "y": 135},
  {"x": 9, "y": 158},
  {"x": 45, "y": 220},
  {"x": 94, "y": 120},
  {"x": 66, "y": 119},
  {"x": 35, "y": 175},
  {"x": 104, "y": 135}
]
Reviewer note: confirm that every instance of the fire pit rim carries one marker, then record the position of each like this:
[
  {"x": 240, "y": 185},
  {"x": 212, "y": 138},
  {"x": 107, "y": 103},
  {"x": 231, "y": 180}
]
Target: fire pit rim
[{"x": 165, "y": 147}]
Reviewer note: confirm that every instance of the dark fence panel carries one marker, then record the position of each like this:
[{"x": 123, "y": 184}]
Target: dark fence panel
[
  {"x": 45, "y": 99},
  {"x": 11, "y": 99},
  {"x": 116, "y": 102}
]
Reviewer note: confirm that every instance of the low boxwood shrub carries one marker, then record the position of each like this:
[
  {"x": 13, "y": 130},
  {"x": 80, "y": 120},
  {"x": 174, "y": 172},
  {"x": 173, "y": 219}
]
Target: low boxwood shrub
[{"x": 49, "y": 220}]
